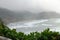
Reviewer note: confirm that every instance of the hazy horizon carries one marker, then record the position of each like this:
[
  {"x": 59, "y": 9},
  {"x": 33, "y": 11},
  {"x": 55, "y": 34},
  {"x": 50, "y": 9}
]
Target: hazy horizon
[{"x": 31, "y": 5}]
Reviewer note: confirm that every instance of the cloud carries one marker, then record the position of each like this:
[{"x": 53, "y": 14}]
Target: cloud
[
  {"x": 31, "y": 5},
  {"x": 50, "y": 5}
]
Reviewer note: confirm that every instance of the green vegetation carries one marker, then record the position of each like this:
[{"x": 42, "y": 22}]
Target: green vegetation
[{"x": 12, "y": 34}]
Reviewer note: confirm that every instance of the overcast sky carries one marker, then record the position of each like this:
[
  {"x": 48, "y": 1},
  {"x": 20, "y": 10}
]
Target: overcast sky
[{"x": 31, "y": 5}]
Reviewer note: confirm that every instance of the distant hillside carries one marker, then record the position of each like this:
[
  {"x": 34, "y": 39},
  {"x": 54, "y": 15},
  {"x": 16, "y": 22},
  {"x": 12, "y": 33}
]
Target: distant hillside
[
  {"x": 13, "y": 16},
  {"x": 6, "y": 15},
  {"x": 10, "y": 16},
  {"x": 47, "y": 15}
]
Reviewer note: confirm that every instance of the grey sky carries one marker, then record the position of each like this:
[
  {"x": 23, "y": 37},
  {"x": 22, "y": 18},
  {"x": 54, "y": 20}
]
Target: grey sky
[{"x": 32, "y": 5}]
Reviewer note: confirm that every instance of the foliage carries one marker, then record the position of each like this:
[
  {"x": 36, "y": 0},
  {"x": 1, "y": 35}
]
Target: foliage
[{"x": 12, "y": 34}]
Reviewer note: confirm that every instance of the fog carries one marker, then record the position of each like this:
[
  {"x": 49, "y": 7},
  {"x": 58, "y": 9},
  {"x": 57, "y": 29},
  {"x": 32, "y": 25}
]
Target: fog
[
  {"x": 31, "y": 5},
  {"x": 31, "y": 15}
]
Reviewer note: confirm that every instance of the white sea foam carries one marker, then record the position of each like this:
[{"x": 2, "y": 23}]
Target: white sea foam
[
  {"x": 36, "y": 25},
  {"x": 26, "y": 24}
]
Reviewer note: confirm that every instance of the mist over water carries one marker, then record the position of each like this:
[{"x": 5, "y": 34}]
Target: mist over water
[{"x": 36, "y": 25}]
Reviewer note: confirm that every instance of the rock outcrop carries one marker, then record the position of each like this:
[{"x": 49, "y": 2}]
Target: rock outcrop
[{"x": 4, "y": 38}]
